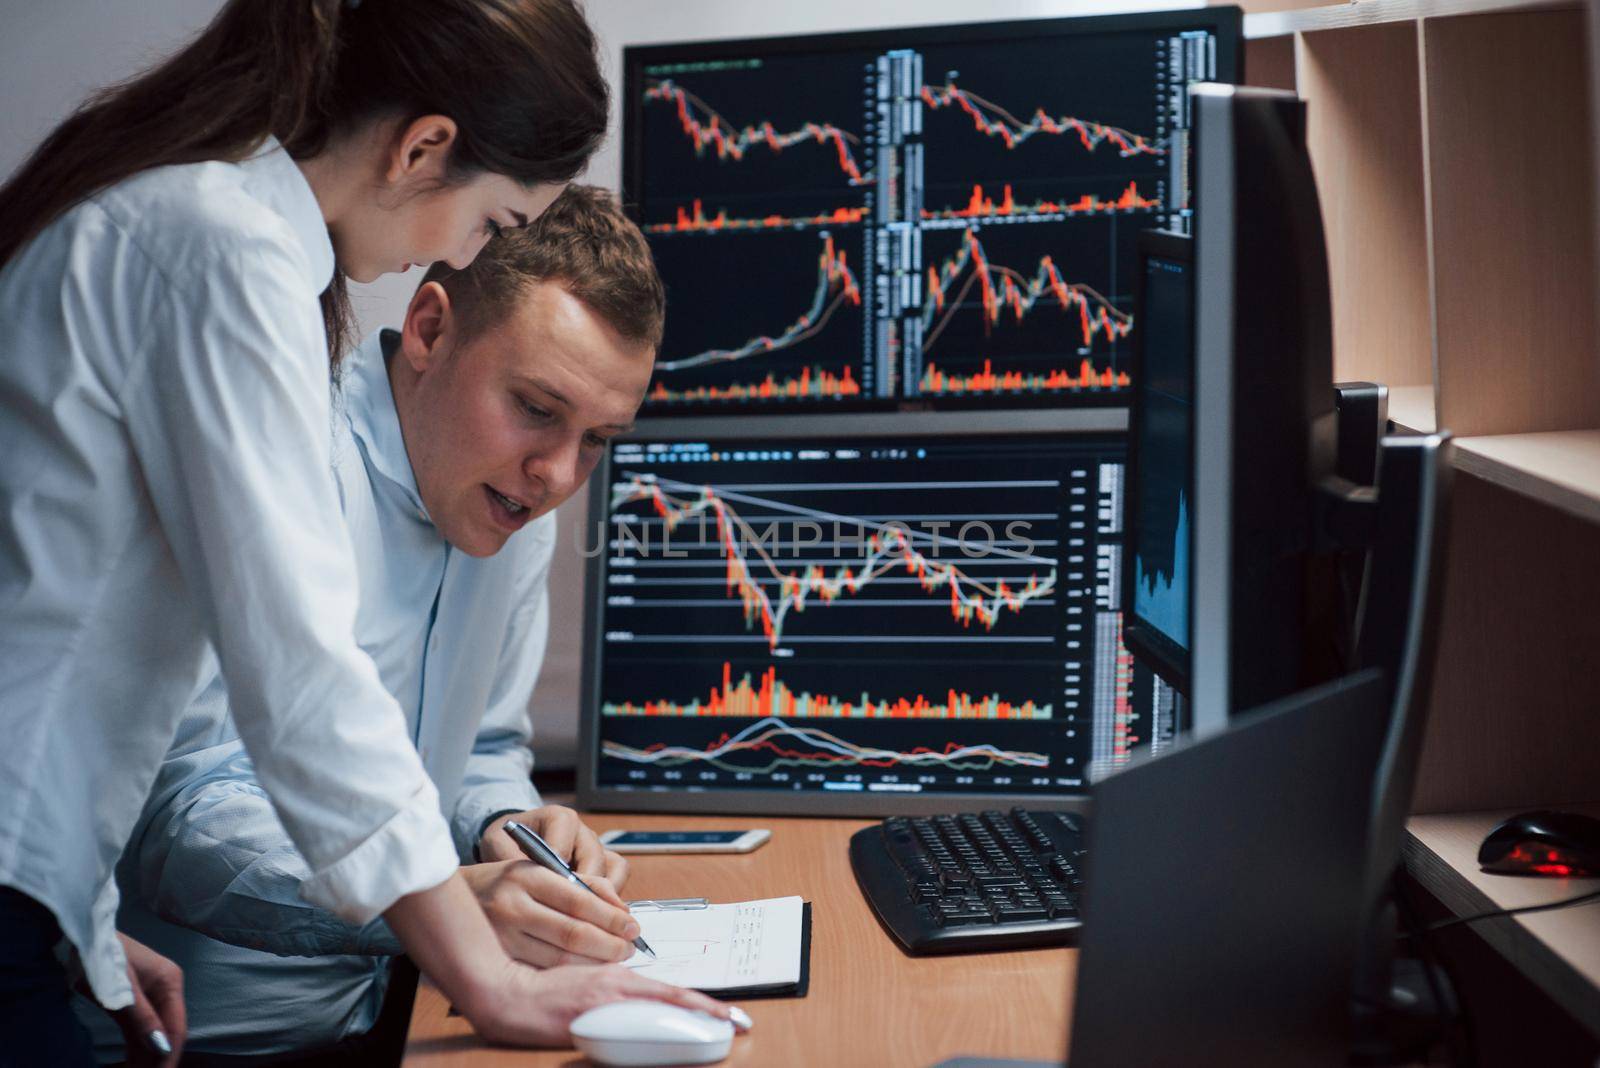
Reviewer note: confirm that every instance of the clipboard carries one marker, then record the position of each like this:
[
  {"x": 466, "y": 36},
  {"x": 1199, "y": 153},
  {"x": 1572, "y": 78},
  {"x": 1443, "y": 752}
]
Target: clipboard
[
  {"x": 798, "y": 989},
  {"x": 711, "y": 947}
]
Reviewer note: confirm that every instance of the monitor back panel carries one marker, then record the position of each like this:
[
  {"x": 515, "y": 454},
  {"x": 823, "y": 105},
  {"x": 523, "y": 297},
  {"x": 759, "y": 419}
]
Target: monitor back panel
[{"x": 1224, "y": 894}]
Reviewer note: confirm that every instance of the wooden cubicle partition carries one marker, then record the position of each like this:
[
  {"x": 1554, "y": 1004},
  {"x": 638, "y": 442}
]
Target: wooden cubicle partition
[
  {"x": 1454, "y": 147},
  {"x": 1510, "y": 183},
  {"x": 1453, "y": 142}
]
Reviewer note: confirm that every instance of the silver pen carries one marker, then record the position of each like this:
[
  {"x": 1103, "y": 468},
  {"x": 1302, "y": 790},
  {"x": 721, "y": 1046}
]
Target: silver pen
[{"x": 539, "y": 851}]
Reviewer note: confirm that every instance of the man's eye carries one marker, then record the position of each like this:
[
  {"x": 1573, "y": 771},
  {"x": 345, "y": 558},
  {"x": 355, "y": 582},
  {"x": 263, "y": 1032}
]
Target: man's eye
[
  {"x": 594, "y": 441},
  {"x": 534, "y": 410}
]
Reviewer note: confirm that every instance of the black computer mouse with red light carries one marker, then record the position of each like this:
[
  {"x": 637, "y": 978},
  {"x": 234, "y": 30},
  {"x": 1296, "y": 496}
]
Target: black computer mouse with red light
[{"x": 1543, "y": 843}]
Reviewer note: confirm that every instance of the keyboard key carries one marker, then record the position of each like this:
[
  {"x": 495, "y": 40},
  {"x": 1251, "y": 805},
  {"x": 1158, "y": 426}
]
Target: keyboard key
[{"x": 1001, "y": 880}]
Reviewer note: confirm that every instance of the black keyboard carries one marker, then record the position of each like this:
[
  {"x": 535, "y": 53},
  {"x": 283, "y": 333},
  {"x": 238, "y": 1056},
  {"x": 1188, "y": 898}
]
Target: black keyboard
[{"x": 958, "y": 884}]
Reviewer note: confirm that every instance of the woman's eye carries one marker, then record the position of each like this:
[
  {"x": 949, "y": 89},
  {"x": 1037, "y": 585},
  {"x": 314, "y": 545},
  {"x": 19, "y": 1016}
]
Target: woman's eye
[{"x": 493, "y": 227}]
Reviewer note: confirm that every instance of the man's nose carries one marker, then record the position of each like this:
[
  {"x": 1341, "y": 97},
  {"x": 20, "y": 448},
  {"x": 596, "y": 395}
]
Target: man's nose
[{"x": 557, "y": 468}]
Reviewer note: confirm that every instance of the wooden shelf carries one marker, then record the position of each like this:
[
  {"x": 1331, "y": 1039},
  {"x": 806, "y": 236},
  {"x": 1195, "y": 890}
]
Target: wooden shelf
[
  {"x": 1264, "y": 24},
  {"x": 1561, "y": 468},
  {"x": 1558, "y": 468},
  {"x": 1559, "y": 951},
  {"x": 1411, "y": 409}
]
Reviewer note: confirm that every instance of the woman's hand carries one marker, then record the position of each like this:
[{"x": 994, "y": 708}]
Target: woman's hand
[
  {"x": 535, "y": 1008},
  {"x": 155, "y": 1025},
  {"x": 444, "y": 931}
]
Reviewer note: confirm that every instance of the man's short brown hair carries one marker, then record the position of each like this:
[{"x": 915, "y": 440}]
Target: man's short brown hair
[{"x": 584, "y": 243}]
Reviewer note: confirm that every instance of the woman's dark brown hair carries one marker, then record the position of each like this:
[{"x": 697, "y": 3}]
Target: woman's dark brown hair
[
  {"x": 520, "y": 78},
  {"x": 583, "y": 242}
]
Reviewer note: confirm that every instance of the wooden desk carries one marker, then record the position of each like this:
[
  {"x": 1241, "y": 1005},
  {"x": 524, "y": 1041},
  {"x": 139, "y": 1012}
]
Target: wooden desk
[{"x": 870, "y": 1003}]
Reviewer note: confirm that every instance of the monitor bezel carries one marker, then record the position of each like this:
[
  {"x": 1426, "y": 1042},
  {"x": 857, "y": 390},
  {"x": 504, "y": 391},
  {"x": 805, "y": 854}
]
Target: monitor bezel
[
  {"x": 1265, "y": 425},
  {"x": 595, "y": 796},
  {"x": 1144, "y": 640},
  {"x": 1224, "y": 22}
]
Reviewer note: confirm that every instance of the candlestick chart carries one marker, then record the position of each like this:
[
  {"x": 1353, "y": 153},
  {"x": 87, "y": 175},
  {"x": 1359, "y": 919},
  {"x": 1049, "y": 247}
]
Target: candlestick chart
[
  {"x": 770, "y": 587},
  {"x": 905, "y": 606},
  {"x": 992, "y": 120},
  {"x": 783, "y": 322},
  {"x": 977, "y": 206},
  {"x": 706, "y": 129},
  {"x": 1009, "y": 311},
  {"x": 734, "y": 147}
]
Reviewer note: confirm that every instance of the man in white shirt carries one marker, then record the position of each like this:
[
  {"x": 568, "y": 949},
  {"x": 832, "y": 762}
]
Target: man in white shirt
[{"x": 488, "y": 410}]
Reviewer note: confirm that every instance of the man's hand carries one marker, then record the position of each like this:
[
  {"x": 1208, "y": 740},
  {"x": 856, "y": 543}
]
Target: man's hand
[
  {"x": 156, "y": 1018},
  {"x": 545, "y": 920},
  {"x": 564, "y": 832}
]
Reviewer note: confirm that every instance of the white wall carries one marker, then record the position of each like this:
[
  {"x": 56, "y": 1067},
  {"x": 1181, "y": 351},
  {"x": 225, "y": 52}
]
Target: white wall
[{"x": 53, "y": 52}]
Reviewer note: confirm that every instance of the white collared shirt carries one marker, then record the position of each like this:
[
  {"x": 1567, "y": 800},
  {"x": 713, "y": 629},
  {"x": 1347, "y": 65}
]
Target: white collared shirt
[
  {"x": 459, "y": 641},
  {"x": 165, "y": 491}
]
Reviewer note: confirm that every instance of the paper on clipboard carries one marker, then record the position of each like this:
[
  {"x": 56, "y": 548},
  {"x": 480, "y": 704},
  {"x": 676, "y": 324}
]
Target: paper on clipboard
[{"x": 723, "y": 947}]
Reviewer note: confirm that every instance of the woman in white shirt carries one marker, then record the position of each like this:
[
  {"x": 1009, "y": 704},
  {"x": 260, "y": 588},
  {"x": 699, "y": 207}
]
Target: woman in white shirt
[{"x": 165, "y": 494}]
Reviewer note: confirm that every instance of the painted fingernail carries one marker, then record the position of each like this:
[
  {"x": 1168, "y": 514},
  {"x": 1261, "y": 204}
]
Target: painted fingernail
[
  {"x": 740, "y": 1018},
  {"x": 158, "y": 1042}
]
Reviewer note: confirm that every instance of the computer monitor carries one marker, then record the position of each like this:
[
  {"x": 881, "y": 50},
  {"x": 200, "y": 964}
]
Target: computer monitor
[
  {"x": 1264, "y": 419},
  {"x": 914, "y": 613},
  {"x": 1160, "y": 490},
  {"x": 1272, "y": 511},
  {"x": 922, "y": 217}
]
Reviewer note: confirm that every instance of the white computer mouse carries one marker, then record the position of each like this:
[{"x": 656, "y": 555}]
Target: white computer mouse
[{"x": 650, "y": 1032}]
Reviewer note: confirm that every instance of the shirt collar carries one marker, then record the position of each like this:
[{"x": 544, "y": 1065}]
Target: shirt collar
[
  {"x": 276, "y": 180},
  {"x": 369, "y": 405}
]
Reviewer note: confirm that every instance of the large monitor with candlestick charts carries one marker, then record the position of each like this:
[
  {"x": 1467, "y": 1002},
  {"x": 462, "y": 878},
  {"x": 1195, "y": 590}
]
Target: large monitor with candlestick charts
[{"x": 929, "y": 217}]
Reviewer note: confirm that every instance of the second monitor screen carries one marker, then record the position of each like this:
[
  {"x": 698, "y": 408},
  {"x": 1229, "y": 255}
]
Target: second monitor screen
[
  {"x": 1161, "y": 506},
  {"x": 886, "y": 614}
]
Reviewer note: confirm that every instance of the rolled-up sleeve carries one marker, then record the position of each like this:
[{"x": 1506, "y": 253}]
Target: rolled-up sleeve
[
  {"x": 229, "y": 417},
  {"x": 213, "y": 856}
]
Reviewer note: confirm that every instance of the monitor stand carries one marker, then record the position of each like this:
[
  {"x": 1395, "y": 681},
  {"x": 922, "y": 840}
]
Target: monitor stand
[{"x": 1401, "y": 1004}]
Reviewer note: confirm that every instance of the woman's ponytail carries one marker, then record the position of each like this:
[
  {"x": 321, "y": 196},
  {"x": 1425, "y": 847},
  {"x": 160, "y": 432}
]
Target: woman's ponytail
[
  {"x": 260, "y": 67},
  {"x": 521, "y": 78}
]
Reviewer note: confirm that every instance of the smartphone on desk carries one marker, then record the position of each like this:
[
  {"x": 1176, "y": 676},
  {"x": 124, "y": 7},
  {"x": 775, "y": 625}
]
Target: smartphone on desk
[{"x": 683, "y": 841}]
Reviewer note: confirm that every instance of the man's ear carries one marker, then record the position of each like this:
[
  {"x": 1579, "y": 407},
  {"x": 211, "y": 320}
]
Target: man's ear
[
  {"x": 421, "y": 149},
  {"x": 428, "y": 325}
]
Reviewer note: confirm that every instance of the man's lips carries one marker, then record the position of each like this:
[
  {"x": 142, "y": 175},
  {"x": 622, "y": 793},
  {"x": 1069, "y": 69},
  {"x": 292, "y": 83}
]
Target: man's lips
[{"x": 509, "y": 512}]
